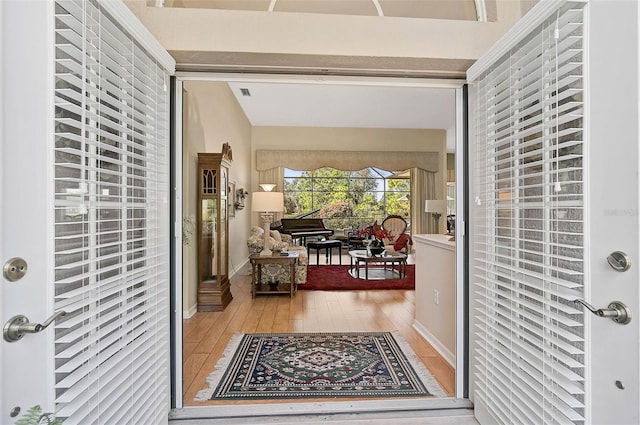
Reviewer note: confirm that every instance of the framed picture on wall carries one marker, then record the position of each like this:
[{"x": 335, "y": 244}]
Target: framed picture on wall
[{"x": 231, "y": 198}]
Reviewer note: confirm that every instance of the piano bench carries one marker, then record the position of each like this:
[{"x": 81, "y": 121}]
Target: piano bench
[{"x": 327, "y": 246}]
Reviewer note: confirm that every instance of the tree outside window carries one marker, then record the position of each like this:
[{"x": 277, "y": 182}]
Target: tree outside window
[{"x": 346, "y": 199}]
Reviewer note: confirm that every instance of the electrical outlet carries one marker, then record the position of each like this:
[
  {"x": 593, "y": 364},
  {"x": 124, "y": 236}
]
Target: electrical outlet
[{"x": 436, "y": 296}]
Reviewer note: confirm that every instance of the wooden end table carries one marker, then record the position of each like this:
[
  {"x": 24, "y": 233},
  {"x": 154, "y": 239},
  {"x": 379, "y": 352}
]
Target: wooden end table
[{"x": 258, "y": 261}]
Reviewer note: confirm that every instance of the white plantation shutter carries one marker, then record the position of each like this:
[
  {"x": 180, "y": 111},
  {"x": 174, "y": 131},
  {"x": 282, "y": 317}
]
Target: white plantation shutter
[
  {"x": 111, "y": 241},
  {"x": 528, "y": 229}
]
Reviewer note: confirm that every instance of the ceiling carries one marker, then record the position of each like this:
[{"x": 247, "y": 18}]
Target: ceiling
[
  {"x": 341, "y": 105},
  {"x": 425, "y": 9},
  {"x": 325, "y": 105},
  {"x": 354, "y": 106}
]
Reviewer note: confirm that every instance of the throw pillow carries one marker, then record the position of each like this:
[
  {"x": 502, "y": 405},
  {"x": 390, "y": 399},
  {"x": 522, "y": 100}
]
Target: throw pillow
[{"x": 402, "y": 241}]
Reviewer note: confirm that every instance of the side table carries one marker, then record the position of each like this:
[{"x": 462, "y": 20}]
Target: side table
[{"x": 258, "y": 261}]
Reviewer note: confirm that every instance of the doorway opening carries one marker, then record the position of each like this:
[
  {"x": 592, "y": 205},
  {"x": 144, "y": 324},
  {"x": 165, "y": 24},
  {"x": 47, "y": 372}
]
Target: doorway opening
[{"x": 213, "y": 113}]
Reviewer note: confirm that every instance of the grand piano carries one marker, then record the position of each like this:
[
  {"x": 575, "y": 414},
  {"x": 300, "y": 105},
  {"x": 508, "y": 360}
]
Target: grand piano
[{"x": 303, "y": 228}]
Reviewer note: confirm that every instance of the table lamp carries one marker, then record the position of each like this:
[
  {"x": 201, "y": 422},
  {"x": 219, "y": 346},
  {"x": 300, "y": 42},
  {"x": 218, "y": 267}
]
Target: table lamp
[
  {"x": 435, "y": 207},
  {"x": 267, "y": 203}
]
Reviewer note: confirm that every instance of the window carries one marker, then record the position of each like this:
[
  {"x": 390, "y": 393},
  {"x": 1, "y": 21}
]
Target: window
[{"x": 347, "y": 198}]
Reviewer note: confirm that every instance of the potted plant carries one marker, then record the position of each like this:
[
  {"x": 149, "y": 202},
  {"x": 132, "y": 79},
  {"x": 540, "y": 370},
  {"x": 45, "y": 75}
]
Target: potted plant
[
  {"x": 377, "y": 235},
  {"x": 35, "y": 416},
  {"x": 376, "y": 247}
]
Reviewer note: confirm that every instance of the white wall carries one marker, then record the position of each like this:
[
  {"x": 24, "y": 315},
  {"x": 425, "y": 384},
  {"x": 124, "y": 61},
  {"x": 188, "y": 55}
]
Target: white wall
[
  {"x": 435, "y": 316},
  {"x": 211, "y": 30}
]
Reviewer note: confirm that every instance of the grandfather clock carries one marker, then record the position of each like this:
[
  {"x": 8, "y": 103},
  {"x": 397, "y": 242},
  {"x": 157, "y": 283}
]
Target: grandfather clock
[{"x": 214, "y": 292}]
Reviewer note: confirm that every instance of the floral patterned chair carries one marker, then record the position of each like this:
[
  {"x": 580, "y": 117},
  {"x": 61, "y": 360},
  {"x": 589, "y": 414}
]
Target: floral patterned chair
[{"x": 278, "y": 242}]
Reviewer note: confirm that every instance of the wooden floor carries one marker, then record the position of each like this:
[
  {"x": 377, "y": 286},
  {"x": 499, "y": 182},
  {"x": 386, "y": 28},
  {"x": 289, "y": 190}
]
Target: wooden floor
[{"x": 207, "y": 334}]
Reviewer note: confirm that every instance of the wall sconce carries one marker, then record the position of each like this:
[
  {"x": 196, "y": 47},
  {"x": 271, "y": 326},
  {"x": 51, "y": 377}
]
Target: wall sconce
[{"x": 241, "y": 195}]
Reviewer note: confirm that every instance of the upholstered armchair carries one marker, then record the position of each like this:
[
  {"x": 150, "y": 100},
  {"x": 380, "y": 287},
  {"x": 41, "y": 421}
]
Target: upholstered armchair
[
  {"x": 278, "y": 242},
  {"x": 399, "y": 241}
]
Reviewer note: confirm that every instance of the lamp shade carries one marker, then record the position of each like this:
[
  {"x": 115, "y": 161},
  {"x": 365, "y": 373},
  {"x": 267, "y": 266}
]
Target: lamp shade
[
  {"x": 434, "y": 206},
  {"x": 267, "y": 201}
]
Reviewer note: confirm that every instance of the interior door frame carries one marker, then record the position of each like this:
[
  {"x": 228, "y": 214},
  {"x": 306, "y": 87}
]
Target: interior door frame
[
  {"x": 462, "y": 383},
  {"x": 2, "y": 154}
]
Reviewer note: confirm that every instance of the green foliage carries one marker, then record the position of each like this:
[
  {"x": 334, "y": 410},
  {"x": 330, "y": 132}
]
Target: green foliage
[
  {"x": 361, "y": 186},
  {"x": 369, "y": 207},
  {"x": 346, "y": 194},
  {"x": 398, "y": 197},
  {"x": 35, "y": 416}
]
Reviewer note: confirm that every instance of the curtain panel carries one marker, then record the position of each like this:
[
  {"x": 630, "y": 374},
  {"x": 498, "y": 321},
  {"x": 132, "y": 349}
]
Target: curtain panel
[
  {"x": 347, "y": 160},
  {"x": 423, "y": 187}
]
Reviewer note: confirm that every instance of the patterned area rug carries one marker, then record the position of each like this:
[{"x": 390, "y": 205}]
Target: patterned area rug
[
  {"x": 337, "y": 278},
  {"x": 318, "y": 365}
]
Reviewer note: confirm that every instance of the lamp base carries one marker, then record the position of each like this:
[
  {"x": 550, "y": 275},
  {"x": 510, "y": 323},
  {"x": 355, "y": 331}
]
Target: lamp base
[{"x": 436, "y": 221}]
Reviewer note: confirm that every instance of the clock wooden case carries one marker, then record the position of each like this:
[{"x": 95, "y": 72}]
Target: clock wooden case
[{"x": 214, "y": 292}]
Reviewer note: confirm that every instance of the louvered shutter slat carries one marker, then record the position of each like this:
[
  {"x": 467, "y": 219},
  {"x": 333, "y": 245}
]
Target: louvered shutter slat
[
  {"x": 111, "y": 242},
  {"x": 528, "y": 236}
]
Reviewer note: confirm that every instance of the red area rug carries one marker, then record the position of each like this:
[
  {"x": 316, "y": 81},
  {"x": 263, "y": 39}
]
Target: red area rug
[{"x": 337, "y": 278}]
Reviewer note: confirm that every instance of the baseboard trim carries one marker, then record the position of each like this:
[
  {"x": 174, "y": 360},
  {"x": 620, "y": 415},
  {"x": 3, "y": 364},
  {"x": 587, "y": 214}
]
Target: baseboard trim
[
  {"x": 237, "y": 270},
  {"x": 437, "y": 345},
  {"x": 188, "y": 314}
]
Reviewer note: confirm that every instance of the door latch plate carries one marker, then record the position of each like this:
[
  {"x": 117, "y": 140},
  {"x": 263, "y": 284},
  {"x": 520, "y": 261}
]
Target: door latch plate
[
  {"x": 14, "y": 269},
  {"x": 619, "y": 261}
]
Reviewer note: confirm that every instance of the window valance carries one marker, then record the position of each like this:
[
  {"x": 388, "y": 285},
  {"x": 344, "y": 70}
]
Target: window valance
[{"x": 346, "y": 160}]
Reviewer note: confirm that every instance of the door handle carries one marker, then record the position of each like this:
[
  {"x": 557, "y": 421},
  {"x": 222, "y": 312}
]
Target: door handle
[
  {"x": 616, "y": 311},
  {"x": 19, "y": 325}
]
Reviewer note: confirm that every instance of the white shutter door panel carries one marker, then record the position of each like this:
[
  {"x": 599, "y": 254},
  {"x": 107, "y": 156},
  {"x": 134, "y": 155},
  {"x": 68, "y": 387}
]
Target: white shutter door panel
[
  {"x": 111, "y": 221},
  {"x": 529, "y": 227}
]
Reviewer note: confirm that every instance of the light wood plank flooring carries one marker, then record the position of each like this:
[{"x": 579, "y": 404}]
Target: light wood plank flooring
[{"x": 207, "y": 334}]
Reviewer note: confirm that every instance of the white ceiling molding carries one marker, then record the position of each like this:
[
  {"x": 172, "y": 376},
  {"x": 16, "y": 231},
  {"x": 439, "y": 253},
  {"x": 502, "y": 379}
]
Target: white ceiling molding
[
  {"x": 125, "y": 17},
  {"x": 417, "y": 9},
  {"x": 376, "y": 3},
  {"x": 481, "y": 10},
  {"x": 541, "y": 11}
]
